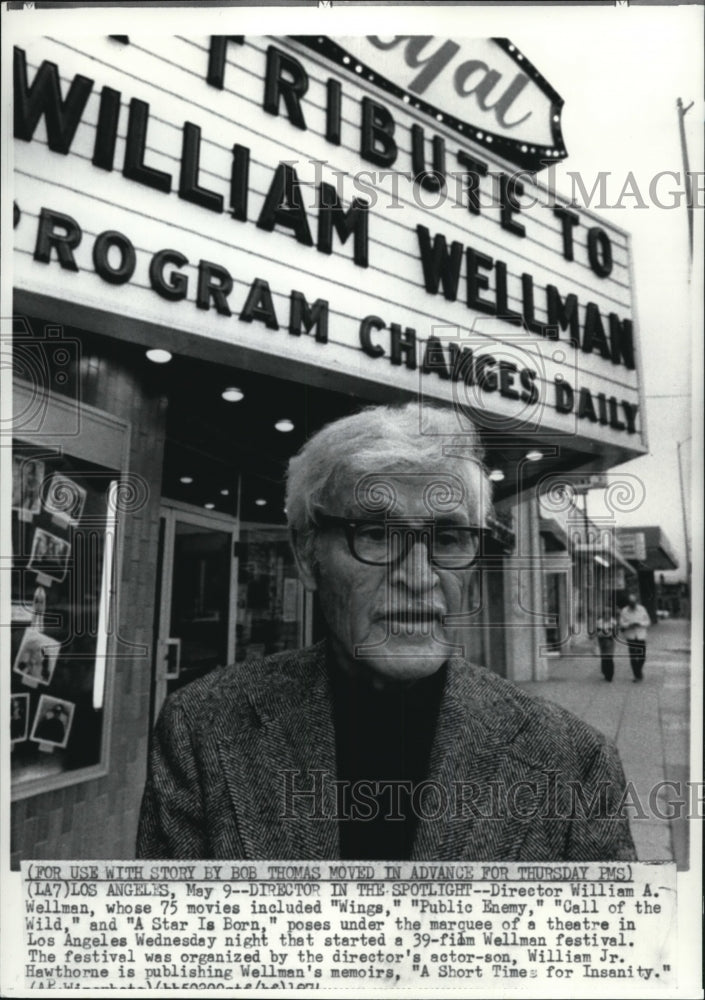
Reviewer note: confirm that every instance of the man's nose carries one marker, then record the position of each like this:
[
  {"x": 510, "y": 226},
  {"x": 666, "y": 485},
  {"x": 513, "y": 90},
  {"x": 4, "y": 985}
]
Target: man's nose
[{"x": 413, "y": 566}]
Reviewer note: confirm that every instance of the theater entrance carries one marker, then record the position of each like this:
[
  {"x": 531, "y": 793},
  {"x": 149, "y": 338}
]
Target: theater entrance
[
  {"x": 228, "y": 591},
  {"x": 273, "y": 609},
  {"x": 195, "y": 605}
]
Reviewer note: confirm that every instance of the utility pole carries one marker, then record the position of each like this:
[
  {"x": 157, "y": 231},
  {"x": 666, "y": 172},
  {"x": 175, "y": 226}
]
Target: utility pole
[
  {"x": 581, "y": 562},
  {"x": 687, "y": 180},
  {"x": 588, "y": 567},
  {"x": 688, "y": 188},
  {"x": 685, "y": 516}
]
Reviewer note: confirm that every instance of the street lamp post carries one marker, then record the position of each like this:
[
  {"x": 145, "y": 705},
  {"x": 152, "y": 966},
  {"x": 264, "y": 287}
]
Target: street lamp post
[
  {"x": 687, "y": 179},
  {"x": 685, "y": 516}
]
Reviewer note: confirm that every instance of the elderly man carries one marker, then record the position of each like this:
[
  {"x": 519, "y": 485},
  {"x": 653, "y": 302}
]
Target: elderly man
[{"x": 382, "y": 741}]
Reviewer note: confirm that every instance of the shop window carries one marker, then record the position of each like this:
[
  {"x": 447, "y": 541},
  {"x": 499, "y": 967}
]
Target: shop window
[{"x": 64, "y": 547}]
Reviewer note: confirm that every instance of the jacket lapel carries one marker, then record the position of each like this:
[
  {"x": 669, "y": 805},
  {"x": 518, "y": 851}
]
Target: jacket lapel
[
  {"x": 279, "y": 769},
  {"x": 473, "y": 761},
  {"x": 288, "y": 748}
]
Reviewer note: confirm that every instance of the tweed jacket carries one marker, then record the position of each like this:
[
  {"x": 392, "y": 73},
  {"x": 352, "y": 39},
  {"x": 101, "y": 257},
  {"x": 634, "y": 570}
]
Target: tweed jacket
[{"x": 518, "y": 774}]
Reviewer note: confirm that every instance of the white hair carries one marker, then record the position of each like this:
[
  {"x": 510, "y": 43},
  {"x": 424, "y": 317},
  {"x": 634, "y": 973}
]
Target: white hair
[{"x": 361, "y": 449}]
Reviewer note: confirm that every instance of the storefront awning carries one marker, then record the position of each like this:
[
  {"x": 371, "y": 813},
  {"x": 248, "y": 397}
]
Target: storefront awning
[
  {"x": 647, "y": 548},
  {"x": 605, "y": 555},
  {"x": 555, "y": 536}
]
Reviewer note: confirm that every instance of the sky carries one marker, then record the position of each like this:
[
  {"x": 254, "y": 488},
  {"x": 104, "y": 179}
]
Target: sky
[{"x": 620, "y": 72}]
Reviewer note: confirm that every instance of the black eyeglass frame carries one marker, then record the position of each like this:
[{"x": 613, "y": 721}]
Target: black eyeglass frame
[{"x": 416, "y": 527}]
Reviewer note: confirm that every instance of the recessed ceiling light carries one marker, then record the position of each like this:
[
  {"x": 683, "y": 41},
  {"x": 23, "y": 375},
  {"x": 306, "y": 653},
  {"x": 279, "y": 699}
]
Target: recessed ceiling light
[
  {"x": 534, "y": 456},
  {"x": 496, "y": 476},
  {"x": 209, "y": 506},
  {"x": 225, "y": 493},
  {"x": 260, "y": 502},
  {"x": 285, "y": 425},
  {"x": 186, "y": 480},
  {"x": 232, "y": 394},
  {"x": 158, "y": 356}
]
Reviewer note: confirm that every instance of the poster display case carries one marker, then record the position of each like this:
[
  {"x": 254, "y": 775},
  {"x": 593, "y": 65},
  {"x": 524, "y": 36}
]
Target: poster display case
[{"x": 65, "y": 555}]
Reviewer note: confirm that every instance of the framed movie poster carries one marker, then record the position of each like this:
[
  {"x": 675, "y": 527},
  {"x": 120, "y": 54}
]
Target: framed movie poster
[
  {"x": 27, "y": 478},
  {"x": 19, "y": 718},
  {"x": 50, "y": 555},
  {"x": 64, "y": 499},
  {"x": 36, "y": 658},
  {"x": 52, "y": 723}
]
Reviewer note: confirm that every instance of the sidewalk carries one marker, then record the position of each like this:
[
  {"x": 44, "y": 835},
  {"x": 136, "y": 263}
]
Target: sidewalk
[{"x": 649, "y": 722}]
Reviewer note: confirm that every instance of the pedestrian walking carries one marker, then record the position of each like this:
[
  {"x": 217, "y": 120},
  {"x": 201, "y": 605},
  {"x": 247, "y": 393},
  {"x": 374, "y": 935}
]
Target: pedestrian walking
[
  {"x": 633, "y": 623},
  {"x": 606, "y": 626}
]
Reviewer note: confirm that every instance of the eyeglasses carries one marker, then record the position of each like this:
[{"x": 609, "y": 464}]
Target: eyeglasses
[{"x": 382, "y": 543}]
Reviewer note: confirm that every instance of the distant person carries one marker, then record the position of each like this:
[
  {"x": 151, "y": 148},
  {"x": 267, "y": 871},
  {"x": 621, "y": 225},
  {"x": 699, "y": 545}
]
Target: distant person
[
  {"x": 606, "y": 626},
  {"x": 633, "y": 623}
]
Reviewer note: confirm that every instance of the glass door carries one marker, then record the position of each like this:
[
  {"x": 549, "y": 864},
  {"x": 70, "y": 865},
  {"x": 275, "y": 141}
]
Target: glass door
[
  {"x": 273, "y": 609},
  {"x": 555, "y": 605},
  {"x": 196, "y": 607}
]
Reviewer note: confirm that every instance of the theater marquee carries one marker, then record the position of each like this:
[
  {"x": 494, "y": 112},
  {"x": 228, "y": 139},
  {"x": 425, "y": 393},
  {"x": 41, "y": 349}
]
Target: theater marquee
[{"x": 344, "y": 208}]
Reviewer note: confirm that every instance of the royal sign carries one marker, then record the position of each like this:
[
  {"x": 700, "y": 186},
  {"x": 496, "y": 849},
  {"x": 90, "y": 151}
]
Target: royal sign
[{"x": 483, "y": 88}]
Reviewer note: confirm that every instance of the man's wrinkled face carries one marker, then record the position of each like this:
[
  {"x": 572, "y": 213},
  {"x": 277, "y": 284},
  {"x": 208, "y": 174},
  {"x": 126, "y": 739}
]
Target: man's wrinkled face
[{"x": 388, "y": 620}]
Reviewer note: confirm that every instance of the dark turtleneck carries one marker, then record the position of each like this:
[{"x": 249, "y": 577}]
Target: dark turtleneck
[{"x": 382, "y": 735}]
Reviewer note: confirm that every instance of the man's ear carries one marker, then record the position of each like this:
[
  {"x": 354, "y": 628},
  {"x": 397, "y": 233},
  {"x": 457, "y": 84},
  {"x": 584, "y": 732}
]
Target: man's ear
[{"x": 304, "y": 563}]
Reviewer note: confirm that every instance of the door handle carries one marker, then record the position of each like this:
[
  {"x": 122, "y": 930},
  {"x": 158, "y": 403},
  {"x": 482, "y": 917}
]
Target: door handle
[{"x": 172, "y": 658}]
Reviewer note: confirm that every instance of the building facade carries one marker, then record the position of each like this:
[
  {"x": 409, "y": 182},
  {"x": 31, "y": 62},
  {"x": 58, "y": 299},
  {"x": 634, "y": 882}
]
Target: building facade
[
  {"x": 648, "y": 551},
  {"x": 297, "y": 227}
]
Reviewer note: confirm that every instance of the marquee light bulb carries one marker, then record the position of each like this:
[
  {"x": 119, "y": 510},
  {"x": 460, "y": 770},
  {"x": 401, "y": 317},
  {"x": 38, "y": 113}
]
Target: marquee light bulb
[
  {"x": 285, "y": 425},
  {"x": 534, "y": 456},
  {"x": 232, "y": 394},
  {"x": 158, "y": 356}
]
